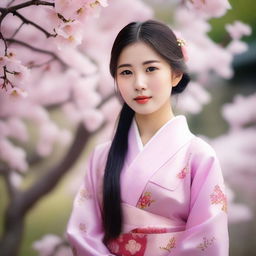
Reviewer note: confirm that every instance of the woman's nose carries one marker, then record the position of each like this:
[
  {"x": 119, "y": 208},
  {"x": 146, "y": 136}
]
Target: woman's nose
[{"x": 139, "y": 83}]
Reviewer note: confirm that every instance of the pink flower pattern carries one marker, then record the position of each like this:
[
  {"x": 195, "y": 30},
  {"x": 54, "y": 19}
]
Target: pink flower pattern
[
  {"x": 132, "y": 246},
  {"x": 171, "y": 244},
  {"x": 206, "y": 243},
  {"x": 183, "y": 173},
  {"x": 82, "y": 227},
  {"x": 218, "y": 197},
  {"x": 128, "y": 244},
  {"x": 145, "y": 200},
  {"x": 83, "y": 195}
]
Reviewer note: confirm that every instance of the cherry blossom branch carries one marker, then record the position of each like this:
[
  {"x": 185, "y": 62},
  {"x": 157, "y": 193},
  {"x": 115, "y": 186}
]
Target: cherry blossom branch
[
  {"x": 5, "y": 43},
  {"x": 17, "y": 30},
  {"x": 6, "y": 80},
  {"x": 32, "y": 65},
  {"x": 26, "y": 21},
  {"x": 11, "y": 40},
  {"x": 14, "y": 8}
]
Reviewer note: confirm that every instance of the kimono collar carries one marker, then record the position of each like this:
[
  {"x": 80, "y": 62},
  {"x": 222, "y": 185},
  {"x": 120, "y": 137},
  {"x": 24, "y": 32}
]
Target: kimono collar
[
  {"x": 142, "y": 163},
  {"x": 175, "y": 129}
]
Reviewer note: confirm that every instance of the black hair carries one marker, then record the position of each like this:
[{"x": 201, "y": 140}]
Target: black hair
[{"x": 161, "y": 39}]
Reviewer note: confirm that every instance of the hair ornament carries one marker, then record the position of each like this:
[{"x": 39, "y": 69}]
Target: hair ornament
[
  {"x": 181, "y": 42},
  {"x": 183, "y": 46}
]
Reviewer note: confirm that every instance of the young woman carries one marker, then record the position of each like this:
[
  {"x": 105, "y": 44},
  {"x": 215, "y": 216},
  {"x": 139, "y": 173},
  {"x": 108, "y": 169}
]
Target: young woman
[{"x": 155, "y": 189}]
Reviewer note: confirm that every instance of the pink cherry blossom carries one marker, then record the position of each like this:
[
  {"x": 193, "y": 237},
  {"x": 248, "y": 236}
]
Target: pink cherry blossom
[
  {"x": 193, "y": 98},
  {"x": 17, "y": 92},
  {"x": 37, "y": 114},
  {"x": 237, "y": 47},
  {"x": 241, "y": 112},
  {"x": 49, "y": 134},
  {"x": 78, "y": 61},
  {"x": 240, "y": 156},
  {"x": 78, "y": 9},
  {"x": 4, "y": 3},
  {"x": 238, "y": 29},
  {"x": 220, "y": 55},
  {"x": 210, "y": 8},
  {"x": 72, "y": 113},
  {"x": 237, "y": 212},
  {"x": 14, "y": 156},
  {"x": 240, "y": 212},
  {"x": 16, "y": 73},
  {"x": 15, "y": 179},
  {"x": 4, "y": 131},
  {"x": 64, "y": 137},
  {"x": 64, "y": 251},
  {"x": 17, "y": 129},
  {"x": 68, "y": 34},
  {"x": 84, "y": 93},
  {"x": 46, "y": 245},
  {"x": 92, "y": 119},
  {"x": 51, "y": 91},
  {"x": 68, "y": 8}
]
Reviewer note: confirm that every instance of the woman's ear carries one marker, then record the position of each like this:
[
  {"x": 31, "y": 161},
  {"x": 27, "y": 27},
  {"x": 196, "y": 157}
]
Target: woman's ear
[{"x": 176, "y": 77}]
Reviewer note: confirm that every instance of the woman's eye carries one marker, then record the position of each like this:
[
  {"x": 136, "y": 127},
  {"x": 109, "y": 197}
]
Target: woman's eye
[
  {"x": 150, "y": 69},
  {"x": 125, "y": 72}
]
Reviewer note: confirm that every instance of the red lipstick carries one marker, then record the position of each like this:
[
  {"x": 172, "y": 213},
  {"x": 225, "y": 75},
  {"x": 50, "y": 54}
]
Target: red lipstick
[{"x": 142, "y": 99}]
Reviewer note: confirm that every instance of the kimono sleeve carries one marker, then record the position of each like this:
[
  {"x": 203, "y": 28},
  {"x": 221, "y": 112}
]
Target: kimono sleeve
[
  {"x": 206, "y": 228},
  {"x": 84, "y": 230}
]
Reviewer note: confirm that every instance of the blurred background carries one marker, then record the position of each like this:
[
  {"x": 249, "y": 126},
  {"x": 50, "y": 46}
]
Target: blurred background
[{"x": 51, "y": 120}]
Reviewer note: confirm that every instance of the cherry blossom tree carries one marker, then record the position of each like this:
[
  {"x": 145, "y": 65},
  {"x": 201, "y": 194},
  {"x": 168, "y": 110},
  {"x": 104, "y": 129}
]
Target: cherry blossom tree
[{"x": 54, "y": 54}]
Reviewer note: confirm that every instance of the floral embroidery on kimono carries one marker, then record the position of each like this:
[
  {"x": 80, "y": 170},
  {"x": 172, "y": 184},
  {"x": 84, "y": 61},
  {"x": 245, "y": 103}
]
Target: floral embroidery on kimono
[
  {"x": 145, "y": 200},
  {"x": 129, "y": 244},
  {"x": 171, "y": 244},
  {"x": 83, "y": 195},
  {"x": 183, "y": 173},
  {"x": 82, "y": 227},
  {"x": 218, "y": 197},
  {"x": 206, "y": 243}
]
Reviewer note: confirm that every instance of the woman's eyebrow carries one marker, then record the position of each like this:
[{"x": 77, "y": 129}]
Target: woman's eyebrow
[
  {"x": 150, "y": 61},
  {"x": 144, "y": 63}
]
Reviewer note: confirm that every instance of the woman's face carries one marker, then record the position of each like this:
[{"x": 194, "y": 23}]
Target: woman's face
[{"x": 144, "y": 79}]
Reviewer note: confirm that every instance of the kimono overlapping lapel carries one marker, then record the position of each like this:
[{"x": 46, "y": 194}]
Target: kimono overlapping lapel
[{"x": 142, "y": 164}]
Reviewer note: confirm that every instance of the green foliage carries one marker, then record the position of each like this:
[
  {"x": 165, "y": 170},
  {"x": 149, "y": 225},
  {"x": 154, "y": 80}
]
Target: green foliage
[{"x": 244, "y": 11}]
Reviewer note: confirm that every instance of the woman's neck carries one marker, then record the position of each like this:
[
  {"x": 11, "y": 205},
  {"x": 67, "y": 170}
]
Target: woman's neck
[{"x": 148, "y": 125}]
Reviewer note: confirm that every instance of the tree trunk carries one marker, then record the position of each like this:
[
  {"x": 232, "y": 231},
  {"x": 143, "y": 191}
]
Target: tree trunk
[{"x": 12, "y": 235}]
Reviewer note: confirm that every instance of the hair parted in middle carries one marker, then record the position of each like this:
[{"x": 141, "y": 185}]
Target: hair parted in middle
[{"x": 163, "y": 41}]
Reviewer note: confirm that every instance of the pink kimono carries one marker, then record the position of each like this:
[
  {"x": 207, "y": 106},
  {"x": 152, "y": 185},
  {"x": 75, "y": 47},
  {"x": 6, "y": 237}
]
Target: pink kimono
[{"x": 173, "y": 199}]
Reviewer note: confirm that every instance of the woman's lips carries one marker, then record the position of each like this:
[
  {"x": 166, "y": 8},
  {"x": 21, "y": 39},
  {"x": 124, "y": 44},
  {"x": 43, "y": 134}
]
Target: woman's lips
[{"x": 142, "y": 99}]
